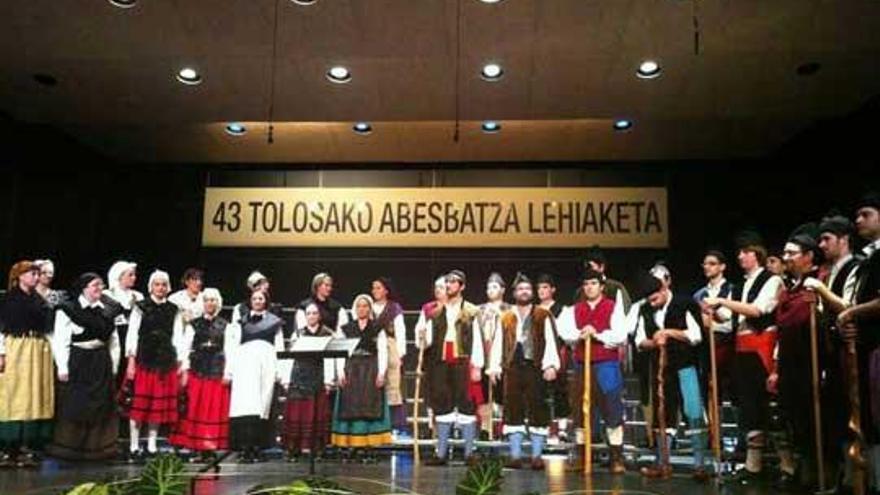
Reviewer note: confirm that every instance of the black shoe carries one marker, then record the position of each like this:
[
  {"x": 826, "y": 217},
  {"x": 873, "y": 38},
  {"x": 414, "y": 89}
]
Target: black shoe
[
  {"x": 787, "y": 483},
  {"x": 436, "y": 461},
  {"x": 244, "y": 457},
  {"x": 743, "y": 477},
  {"x": 133, "y": 457},
  {"x": 6, "y": 460},
  {"x": 27, "y": 460}
]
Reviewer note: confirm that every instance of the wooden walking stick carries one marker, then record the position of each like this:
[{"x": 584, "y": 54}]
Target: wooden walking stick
[
  {"x": 416, "y": 396},
  {"x": 817, "y": 412},
  {"x": 588, "y": 420},
  {"x": 854, "y": 451},
  {"x": 714, "y": 405},
  {"x": 663, "y": 462}
]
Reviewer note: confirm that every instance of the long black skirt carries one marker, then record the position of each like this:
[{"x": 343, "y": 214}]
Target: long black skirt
[{"x": 87, "y": 427}]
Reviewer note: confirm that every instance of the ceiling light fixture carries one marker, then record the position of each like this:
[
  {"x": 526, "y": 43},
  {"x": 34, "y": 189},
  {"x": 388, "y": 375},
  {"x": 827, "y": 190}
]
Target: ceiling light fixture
[
  {"x": 339, "y": 74},
  {"x": 189, "y": 76},
  {"x": 491, "y": 72},
  {"x": 649, "y": 69}
]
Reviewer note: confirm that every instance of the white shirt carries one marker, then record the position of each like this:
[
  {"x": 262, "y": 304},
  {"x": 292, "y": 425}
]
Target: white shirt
[
  {"x": 232, "y": 345},
  {"x": 851, "y": 287},
  {"x": 193, "y": 307},
  {"x": 692, "y": 332},
  {"x": 127, "y": 299},
  {"x": 725, "y": 315},
  {"x": 63, "y": 334},
  {"x": 399, "y": 328},
  {"x": 550, "y": 359},
  {"x": 767, "y": 298},
  {"x": 611, "y": 337},
  {"x": 452, "y": 312},
  {"x": 134, "y": 326}
]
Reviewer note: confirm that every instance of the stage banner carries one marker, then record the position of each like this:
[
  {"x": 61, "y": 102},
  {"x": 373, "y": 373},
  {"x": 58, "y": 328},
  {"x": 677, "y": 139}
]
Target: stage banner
[{"x": 443, "y": 217}]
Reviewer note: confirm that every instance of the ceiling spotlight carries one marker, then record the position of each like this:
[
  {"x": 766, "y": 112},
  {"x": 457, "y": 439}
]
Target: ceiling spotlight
[
  {"x": 622, "y": 125},
  {"x": 491, "y": 127},
  {"x": 123, "y": 4},
  {"x": 235, "y": 129},
  {"x": 339, "y": 74},
  {"x": 491, "y": 72},
  {"x": 649, "y": 69},
  {"x": 491, "y": 1},
  {"x": 362, "y": 128},
  {"x": 189, "y": 76},
  {"x": 305, "y": 2},
  {"x": 46, "y": 79}
]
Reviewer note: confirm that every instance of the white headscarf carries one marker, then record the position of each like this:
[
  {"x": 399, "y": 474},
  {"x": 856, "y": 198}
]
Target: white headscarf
[
  {"x": 159, "y": 275},
  {"x": 116, "y": 272},
  {"x": 255, "y": 278},
  {"x": 213, "y": 293}
]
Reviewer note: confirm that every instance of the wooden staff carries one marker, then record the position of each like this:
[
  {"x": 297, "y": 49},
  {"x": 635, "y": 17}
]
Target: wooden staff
[
  {"x": 663, "y": 462},
  {"x": 416, "y": 395},
  {"x": 588, "y": 423},
  {"x": 491, "y": 385},
  {"x": 817, "y": 413},
  {"x": 854, "y": 451},
  {"x": 714, "y": 406}
]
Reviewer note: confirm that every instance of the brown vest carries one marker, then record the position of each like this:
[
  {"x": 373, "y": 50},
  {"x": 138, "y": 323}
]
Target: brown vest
[
  {"x": 463, "y": 332},
  {"x": 536, "y": 334}
]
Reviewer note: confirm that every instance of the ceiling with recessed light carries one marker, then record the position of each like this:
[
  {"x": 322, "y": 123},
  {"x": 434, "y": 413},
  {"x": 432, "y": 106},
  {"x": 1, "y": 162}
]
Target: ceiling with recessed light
[{"x": 567, "y": 80}]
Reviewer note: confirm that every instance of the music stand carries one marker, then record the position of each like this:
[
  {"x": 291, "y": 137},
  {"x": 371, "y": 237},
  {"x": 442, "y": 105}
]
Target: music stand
[{"x": 324, "y": 348}]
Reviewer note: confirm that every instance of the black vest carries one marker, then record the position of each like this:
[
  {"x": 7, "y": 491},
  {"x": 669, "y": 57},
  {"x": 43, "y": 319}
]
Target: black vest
[
  {"x": 368, "y": 336},
  {"x": 868, "y": 276},
  {"x": 155, "y": 348},
  {"x": 97, "y": 323},
  {"x": 760, "y": 323},
  {"x": 24, "y": 314},
  {"x": 206, "y": 357},
  {"x": 307, "y": 374},
  {"x": 680, "y": 354},
  {"x": 261, "y": 327}
]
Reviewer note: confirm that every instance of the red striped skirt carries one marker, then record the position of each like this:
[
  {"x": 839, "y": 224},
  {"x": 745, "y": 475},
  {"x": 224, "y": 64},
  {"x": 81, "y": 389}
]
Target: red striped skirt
[
  {"x": 300, "y": 423},
  {"x": 206, "y": 423},
  {"x": 155, "y": 396}
]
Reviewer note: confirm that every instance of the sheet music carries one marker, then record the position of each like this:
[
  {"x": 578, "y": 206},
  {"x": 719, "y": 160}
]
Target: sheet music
[{"x": 310, "y": 344}]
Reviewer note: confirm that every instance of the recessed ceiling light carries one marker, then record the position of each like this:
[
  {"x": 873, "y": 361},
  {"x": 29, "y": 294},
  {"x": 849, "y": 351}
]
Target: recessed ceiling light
[
  {"x": 190, "y": 76},
  {"x": 649, "y": 69},
  {"x": 623, "y": 125},
  {"x": 235, "y": 129},
  {"x": 46, "y": 79},
  {"x": 491, "y": 127},
  {"x": 362, "y": 128},
  {"x": 123, "y": 4},
  {"x": 808, "y": 69},
  {"x": 491, "y": 1},
  {"x": 339, "y": 74},
  {"x": 491, "y": 72},
  {"x": 304, "y": 2}
]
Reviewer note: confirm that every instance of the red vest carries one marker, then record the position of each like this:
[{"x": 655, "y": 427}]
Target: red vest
[{"x": 600, "y": 319}]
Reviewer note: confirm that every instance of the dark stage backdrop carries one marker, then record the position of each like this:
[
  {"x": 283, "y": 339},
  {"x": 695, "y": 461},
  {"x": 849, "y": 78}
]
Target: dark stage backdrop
[{"x": 60, "y": 201}]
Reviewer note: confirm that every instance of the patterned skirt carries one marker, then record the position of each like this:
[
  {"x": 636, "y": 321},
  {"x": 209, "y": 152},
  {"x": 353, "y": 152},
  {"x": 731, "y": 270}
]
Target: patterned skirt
[{"x": 205, "y": 426}]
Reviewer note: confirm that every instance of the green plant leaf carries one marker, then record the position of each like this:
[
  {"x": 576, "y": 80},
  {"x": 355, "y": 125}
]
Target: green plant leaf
[
  {"x": 163, "y": 475},
  {"x": 484, "y": 478},
  {"x": 89, "y": 489}
]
